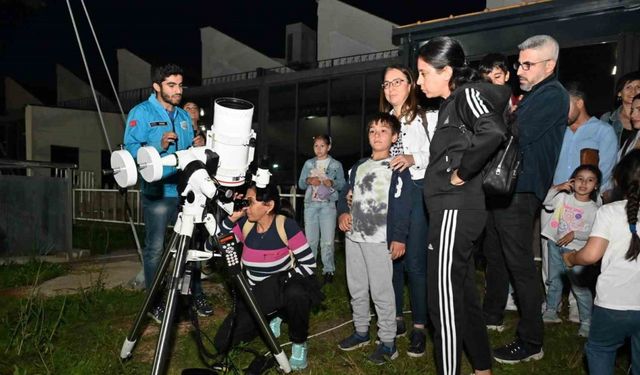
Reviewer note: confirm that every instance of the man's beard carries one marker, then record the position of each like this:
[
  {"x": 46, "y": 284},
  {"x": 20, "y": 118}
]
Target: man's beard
[{"x": 173, "y": 100}]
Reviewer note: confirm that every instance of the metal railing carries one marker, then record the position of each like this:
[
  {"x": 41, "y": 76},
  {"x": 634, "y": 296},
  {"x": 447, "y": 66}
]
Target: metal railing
[
  {"x": 355, "y": 59},
  {"x": 107, "y": 205}
]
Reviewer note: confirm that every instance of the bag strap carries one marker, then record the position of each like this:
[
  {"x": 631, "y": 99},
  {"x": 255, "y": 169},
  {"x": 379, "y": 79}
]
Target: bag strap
[
  {"x": 280, "y": 219},
  {"x": 425, "y": 124}
]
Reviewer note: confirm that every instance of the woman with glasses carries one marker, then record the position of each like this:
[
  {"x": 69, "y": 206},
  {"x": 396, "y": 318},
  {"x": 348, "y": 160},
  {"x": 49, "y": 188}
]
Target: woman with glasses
[
  {"x": 469, "y": 131},
  {"x": 398, "y": 97},
  {"x": 627, "y": 87}
]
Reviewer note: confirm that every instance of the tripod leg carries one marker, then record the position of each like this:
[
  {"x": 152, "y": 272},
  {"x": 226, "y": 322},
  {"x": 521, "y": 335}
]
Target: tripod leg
[
  {"x": 134, "y": 333},
  {"x": 263, "y": 326},
  {"x": 162, "y": 347}
]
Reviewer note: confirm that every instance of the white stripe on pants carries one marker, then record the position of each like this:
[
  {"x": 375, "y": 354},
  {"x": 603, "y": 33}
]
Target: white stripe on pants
[{"x": 445, "y": 293}]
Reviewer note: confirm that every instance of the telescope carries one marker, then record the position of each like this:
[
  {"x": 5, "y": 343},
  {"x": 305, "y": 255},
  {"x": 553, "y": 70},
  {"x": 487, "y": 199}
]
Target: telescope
[{"x": 208, "y": 173}]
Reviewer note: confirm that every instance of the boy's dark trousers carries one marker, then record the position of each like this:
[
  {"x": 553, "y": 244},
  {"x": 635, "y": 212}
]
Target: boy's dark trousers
[{"x": 454, "y": 307}]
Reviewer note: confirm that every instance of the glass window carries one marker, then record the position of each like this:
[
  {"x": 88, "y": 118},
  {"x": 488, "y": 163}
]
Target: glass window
[
  {"x": 346, "y": 119},
  {"x": 312, "y": 117},
  {"x": 280, "y": 135}
]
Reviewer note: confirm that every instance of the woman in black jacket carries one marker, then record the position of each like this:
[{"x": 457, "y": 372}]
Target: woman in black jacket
[{"x": 469, "y": 131}]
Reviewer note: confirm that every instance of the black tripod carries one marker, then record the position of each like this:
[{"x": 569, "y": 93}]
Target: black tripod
[{"x": 198, "y": 190}]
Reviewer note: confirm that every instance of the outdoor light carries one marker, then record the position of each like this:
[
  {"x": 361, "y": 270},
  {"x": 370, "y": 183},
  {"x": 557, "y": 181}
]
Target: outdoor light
[
  {"x": 201, "y": 112},
  {"x": 614, "y": 70},
  {"x": 310, "y": 117},
  {"x": 275, "y": 166}
]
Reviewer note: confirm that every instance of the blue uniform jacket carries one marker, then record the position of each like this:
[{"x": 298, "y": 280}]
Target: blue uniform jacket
[
  {"x": 146, "y": 124},
  {"x": 399, "y": 211}
]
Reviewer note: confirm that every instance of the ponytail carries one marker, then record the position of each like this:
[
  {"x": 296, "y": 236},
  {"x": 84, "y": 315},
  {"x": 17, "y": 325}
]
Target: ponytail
[{"x": 633, "y": 201}]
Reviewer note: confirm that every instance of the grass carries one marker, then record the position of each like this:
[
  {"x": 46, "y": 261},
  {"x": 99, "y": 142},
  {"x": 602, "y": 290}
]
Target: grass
[
  {"x": 33, "y": 272},
  {"x": 102, "y": 238},
  {"x": 83, "y": 334}
]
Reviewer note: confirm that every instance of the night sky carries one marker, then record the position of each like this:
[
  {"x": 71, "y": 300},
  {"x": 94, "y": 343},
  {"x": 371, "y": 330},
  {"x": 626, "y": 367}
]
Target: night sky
[{"x": 37, "y": 34}]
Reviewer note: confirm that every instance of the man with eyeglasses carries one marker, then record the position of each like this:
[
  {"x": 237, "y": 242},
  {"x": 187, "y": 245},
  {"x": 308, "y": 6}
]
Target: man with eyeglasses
[{"x": 541, "y": 119}]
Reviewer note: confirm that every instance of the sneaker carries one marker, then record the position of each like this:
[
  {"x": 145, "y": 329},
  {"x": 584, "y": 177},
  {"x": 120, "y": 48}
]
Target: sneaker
[
  {"x": 298, "y": 360},
  {"x": 511, "y": 304},
  {"x": 328, "y": 278},
  {"x": 401, "y": 328},
  {"x": 516, "y": 352},
  {"x": 202, "y": 305},
  {"x": 354, "y": 341},
  {"x": 551, "y": 316},
  {"x": 383, "y": 354},
  {"x": 498, "y": 327},
  {"x": 417, "y": 342},
  {"x": 583, "y": 331},
  {"x": 157, "y": 313},
  {"x": 274, "y": 324}
]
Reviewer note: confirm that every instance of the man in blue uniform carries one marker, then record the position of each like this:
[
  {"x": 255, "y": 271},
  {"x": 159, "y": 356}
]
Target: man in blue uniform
[{"x": 161, "y": 123}]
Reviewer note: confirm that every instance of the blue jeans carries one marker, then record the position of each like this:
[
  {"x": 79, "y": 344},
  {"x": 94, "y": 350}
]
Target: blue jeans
[
  {"x": 158, "y": 213},
  {"x": 320, "y": 227},
  {"x": 609, "y": 329},
  {"x": 557, "y": 268},
  {"x": 414, "y": 261}
]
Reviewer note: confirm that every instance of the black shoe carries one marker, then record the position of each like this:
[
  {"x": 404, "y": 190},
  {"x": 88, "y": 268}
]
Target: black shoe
[
  {"x": 328, "y": 278},
  {"x": 417, "y": 343},
  {"x": 517, "y": 351},
  {"x": 401, "y": 328},
  {"x": 202, "y": 305},
  {"x": 383, "y": 354}
]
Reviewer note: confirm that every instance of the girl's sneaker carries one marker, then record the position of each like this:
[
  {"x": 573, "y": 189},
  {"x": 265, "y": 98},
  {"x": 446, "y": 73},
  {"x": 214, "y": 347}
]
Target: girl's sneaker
[
  {"x": 275, "y": 324},
  {"x": 551, "y": 316},
  {"x": 298, "y": 360},
  {"x": 583, "y": 331}
]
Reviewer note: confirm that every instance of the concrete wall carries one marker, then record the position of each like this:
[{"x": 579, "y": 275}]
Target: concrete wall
[
  {"x": 133, "y": 72},
  {"x": 344, "y": 30},
  {"x": 301, "y": 44},
  {"x": 222, "y": 55},
  {"x": 70, "y": 87},
  {"x": 17, "y": 96},
  {"x": 46, "y": 126}
]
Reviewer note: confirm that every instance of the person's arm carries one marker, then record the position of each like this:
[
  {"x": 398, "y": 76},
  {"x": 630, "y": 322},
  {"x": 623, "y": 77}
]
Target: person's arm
[
  {"x": 608, "y": 153},
  {"x": 592, "y": 252},
  {"x": 399, "y": 207},
  {"x": 305, "y": 264},
  {"x": 343, "y": 204},
  {"x": 302, "y": 181},
  {"x": 136, "y": 132},
  {"x": 487, "y": 127}
]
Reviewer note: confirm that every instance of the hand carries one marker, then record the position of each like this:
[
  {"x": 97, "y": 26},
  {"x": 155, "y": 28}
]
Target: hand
[
  {"x": 344, "y": 222},
  {"x": 167, "y": 139},
  {"x": 567, "y": 258},
  {"x": 198, "y": 140},
  {"x": 236, "y": 215},
  {"x": 315, "y": 181},
  {"x": 349, "y": 198},
  {"x": 455, "y": 180},
  {"x": 327, "y": 182},
  {"x": 402, "y": 162},
  {"x": 566, "y": 239},
  {"x": 565, "y": 186},
  {"x": 397, "y": 249}
]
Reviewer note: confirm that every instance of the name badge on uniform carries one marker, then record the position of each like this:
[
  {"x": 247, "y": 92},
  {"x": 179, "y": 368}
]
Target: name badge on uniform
[
  {"x": 158, "y": 123},
  {"x": 183, "y": 125}
]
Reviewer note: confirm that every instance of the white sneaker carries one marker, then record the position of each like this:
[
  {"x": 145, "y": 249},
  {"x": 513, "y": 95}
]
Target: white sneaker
[{"x": 511, "y": 304}]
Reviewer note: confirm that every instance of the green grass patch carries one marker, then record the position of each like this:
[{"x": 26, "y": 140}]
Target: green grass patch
[
  {"x": 83, "y": 334},
  {"x": 34, "y": 272}
]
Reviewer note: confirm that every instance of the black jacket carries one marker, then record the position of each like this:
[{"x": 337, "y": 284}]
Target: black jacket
[
  {"x": 542, "y": 121},
  {"x": 470, "y": 129}
]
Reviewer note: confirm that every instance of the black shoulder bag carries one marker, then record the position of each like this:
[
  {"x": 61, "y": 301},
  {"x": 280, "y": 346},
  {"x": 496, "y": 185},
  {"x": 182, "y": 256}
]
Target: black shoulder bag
[{"x": 501, "y": 172}]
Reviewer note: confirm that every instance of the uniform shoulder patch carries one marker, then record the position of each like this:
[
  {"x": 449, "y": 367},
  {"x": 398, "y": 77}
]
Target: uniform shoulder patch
[{"x": 133, "y": 123}]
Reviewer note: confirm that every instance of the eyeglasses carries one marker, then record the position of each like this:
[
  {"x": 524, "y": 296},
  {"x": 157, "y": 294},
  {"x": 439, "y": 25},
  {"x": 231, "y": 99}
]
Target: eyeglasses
[
  {"x": 527, "y": 64},
  {"x": 394, "y": 83}
]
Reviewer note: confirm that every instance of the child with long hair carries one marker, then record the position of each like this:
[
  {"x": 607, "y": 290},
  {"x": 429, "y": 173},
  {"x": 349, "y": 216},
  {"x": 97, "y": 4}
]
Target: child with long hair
[
  {"x": 574, "y": 205},
  {"x": 614, "y": 240},
  {"x": 322, "y": 177}
]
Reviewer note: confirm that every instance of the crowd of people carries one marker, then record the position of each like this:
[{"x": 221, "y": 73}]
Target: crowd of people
[{"x": 415, "y": 211}]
